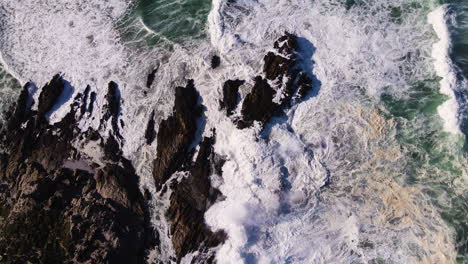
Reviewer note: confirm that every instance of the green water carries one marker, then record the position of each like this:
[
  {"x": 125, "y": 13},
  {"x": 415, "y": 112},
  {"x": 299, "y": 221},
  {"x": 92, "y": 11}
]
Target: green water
[
  {"x": 437, "y": 159},
  {"x": 459, "y": 34},
  {"x": 9, "y": 89},
  {"x": 166, "y": 22}
]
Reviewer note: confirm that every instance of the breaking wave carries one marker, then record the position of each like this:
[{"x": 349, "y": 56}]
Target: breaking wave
[{"x": 362, "y": 171}]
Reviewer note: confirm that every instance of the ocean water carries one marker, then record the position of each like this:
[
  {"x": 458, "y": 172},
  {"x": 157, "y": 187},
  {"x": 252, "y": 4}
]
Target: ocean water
[{"x": 370, "y": 169}]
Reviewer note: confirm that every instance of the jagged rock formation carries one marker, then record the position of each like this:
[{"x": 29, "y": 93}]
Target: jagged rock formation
[
  {"x": 50, "y": 94},
  {"x": 190, "y": 199},
  {"x": 258, "y": 104},
  {"x": 84, "y": 106},
  {"x": 230, "y": 95},
  {"x": 56, "y": 207},
  {"x": 283, "y": 74},
  {"x": 176, "y": 134},
  {"x": 193, "y": 195}
]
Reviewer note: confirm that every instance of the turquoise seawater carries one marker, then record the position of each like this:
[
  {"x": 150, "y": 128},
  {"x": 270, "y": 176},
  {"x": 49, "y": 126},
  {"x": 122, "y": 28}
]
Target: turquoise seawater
[
  {"x": 9, "y": 90},
  {"x": 437, "y": 159},
  {"x": 166, "y": 22}
]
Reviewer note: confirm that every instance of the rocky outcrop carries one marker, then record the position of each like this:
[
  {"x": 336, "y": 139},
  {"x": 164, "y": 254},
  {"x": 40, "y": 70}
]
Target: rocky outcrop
[
  {"x": 112, "y": 108},
  {"x": 57, "y": 207},
  {"x": 215, "y": 62},
  {"x": 189, "y": 201},
  {"x": 176, "y": 134},
  {"x": 50, "y": 94},
  {"x": 285, "y": 78},
  {"x": 85, "y": 106},
  {"x": 230, "y": 95},
  {"x": 150, "y": 133},
  {"x": 191, "y": 196},
  {"x": 258, "y": 104}
]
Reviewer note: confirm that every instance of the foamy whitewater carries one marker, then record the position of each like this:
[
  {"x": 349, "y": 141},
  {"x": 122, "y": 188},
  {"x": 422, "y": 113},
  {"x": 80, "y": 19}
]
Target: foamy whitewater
[{"x": 369, "y": 169}]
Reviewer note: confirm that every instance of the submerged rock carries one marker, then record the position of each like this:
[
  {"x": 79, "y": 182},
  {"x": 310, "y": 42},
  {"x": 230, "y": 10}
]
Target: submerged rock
[{"x": 151, "y": 78}]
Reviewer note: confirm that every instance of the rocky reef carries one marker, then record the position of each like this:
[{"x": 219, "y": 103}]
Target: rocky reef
[
  {"x": 59, "y": 204},
  {"x": 59, "y": 207}
]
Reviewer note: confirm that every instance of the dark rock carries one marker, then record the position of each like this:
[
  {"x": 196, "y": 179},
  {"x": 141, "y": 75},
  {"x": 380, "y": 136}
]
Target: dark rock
[
  {"x": 193, "y": 195},
  {"x": 176, "y": 134},
  {"x": 91, "y": 103},
  {"x": 85, "y": 103},
  {"x": 112, "y": 149},
  {"x": 112, "y": 111},
  {"x": 49, "y": 95},
  {"x": 258, "y": 104},
  {"x": 51, "y": 214},
  {"x": 150, "y": 133},
  {"x": 151, "y": 78},
  {"x": 231, "y": 95},
  {"x": 305, "y": 85},
  {"x": 279, "y": 63},
  {"x": 21, "y": 110},
  {"x": 215, "y": 62},
  {"x": 112, "y": 107},
  {"x": 67, "y": 216},
  {"x": 285, "y": 70},
  {"x": 190, "y": 199}
]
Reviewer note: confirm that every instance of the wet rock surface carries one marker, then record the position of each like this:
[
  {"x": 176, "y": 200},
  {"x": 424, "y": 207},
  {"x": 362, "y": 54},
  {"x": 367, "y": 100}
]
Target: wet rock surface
[
  {"x": 150, "y": 133},
  {"x": 230, "y": 95},
  {"x": 258, "y": 104},
  {"x": 215, "y": 62},
  {"x": 284, "y": 75},
  {"x": 189, "y": 201},
  {"x": 151, "y": 77},
  {"x": 50, "y": 94},
  {"x": 192, "y": 195},
  {"x": 176, "y": 134},
  {"x": 58, "y": 205},
  {"x": 53, "y": 214}
]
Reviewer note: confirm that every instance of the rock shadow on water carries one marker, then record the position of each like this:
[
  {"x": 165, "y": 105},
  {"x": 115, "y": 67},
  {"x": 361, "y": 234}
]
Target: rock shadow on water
[
  {"x": 305, "y": 63},
  {"x": 306, "y": 52},
  {"x": 64, "y": 97}
]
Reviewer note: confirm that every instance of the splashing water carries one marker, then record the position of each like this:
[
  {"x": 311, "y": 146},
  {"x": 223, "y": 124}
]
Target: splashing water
[{"x": 368, "y": 170}]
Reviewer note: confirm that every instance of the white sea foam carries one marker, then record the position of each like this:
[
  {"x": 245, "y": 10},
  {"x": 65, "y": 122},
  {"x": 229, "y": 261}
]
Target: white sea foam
[
  {"x": 42, "y": 38},
  {"x": 276, "y": 209},
  {"x": 445, "y": 69}
]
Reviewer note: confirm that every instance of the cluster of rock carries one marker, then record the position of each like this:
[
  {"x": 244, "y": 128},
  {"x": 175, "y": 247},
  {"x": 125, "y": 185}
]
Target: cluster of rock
[
  {"x": 283, "y": 73},
  {"x": 58, "y": 205},
  {"x": 191, "y": 197},
  {"x": 51, "y": 212}
]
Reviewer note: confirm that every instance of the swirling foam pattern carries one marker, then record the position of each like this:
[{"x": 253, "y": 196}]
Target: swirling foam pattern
[{"x": 378, "y": 127}]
